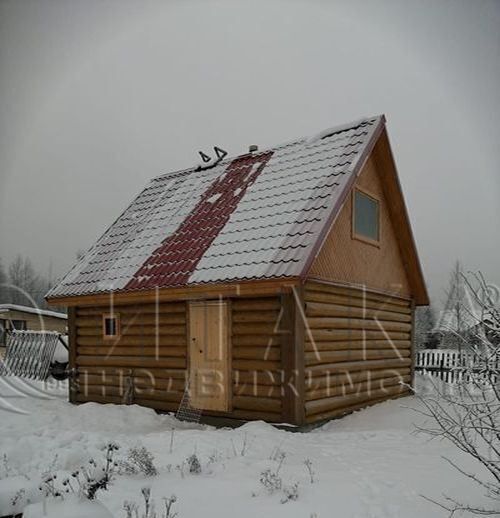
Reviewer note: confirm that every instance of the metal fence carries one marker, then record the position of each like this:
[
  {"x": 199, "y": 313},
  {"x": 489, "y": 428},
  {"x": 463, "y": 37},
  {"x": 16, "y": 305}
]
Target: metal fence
[
  {"x": 456, "y": 366},
  {"x": 29, "y": 354}
]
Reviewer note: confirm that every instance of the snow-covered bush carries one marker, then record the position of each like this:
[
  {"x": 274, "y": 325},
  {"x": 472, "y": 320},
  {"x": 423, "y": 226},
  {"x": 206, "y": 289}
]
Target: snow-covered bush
[
  {"x": 271, "y": 481},
  {"x": 133, "y": 510},
  {"x": 84, "y": 482},
  {"x": 469, "y": 416},
  {"x": 139, "y": 461},
  {"x": 194, "y": 464},
  {"x": 290, "y": 493}
]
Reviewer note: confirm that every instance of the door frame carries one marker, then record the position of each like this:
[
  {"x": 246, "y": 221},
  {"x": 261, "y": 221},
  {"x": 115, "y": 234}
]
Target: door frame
[{"x": 229, "y": 363}]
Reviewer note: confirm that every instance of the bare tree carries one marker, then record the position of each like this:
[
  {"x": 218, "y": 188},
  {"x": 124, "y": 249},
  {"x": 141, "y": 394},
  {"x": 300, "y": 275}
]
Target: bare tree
[
  {"x": 469, "y": 416},
  {"x": 27, "y": 287},
  {"x": 4, "y": 291},
  {"x": 425, "y": 322}
]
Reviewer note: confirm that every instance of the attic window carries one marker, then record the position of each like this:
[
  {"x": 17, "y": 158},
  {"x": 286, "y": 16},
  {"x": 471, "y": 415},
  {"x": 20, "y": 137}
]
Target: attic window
[
  {"x": 111, "y": 326},
  {"x": 366, "y": 217}
]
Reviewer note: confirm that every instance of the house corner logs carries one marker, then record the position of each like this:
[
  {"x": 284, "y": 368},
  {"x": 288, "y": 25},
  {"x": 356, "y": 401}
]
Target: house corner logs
[{"x": 357, "y": 349}]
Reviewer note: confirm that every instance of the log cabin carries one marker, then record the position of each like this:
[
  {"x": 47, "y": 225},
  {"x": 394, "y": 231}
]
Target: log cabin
[{"x": 277, "y": 285}]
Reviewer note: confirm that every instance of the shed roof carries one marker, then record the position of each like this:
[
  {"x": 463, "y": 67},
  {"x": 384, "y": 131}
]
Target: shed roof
[
  {"x": 256, "y": 216},
  {"x": 6, "y": 308}
]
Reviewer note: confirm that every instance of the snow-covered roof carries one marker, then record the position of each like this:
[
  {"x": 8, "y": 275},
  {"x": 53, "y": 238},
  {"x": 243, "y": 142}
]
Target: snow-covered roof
[
  {"x": 4, "y": 308},
  {"x": 256, "y": 216}
]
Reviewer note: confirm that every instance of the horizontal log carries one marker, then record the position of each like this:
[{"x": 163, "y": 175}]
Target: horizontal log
[
  {"x": 257, "y": 304},
  {"x": 357, "y": 344},
  {"x": 313, "y": 358},
  {"x": 266, "y": 391},
  {"x": 356, "y": 292},
  {"x": 144, "y": 319},
  {"x": 139, "y": 382},
  {"x": 255, "y": 340},
  {"x": 338, "y": 412},
  {"x": 156, "y": 352},
  {"x": 333, "y": 368},
  {"x": 151, "y": 373},
  {"x": 356, "y": 323},
  {"x": 166, "y": 406},
  {"x": 360, "y": 387},
  {"x": 107, "y": 390},
  {"x": 128, "y": 361},
  {"x": 257, "y": 377},
  {"x": 327, "y": 298},
  {"x": 327, "y": 404},
  {"x": 136, "y": 330},
  {"x": 174, "y": 340},
  {"x": 255, "y": 316},
  {"x": 320, "y": 309},
  {"x": 257, "y": 404},
  {"x": 163, "y": 308},
  {"x": 256, "y": 365},
  {"x": 249, "y": 328},
  {"x": 325, "y": 335},
  {"x": 349, "y": 378},
  {"x": 257, "y": 353}
]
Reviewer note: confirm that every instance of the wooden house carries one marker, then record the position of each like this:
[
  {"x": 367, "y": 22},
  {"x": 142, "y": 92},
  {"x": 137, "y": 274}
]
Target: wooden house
[
  {"x": 277, "y": 285},
  {"x": 15, "y": 316}
]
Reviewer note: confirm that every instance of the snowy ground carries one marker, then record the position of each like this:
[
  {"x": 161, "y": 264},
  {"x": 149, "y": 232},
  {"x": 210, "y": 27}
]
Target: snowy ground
[{"x": 369, "y": 464}]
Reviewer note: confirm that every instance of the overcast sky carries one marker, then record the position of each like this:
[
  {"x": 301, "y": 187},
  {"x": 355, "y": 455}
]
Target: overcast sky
[{"x": 98, "y": 96}]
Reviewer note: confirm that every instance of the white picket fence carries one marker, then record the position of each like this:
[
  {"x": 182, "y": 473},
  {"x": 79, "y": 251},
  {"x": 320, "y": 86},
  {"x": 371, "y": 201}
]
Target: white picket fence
[{"x": 454, "y": 366}]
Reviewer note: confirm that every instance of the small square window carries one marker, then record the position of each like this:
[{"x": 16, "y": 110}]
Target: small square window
[
  {"x": 111, "y": 326},
  {"x": 18, "y": 325},
  {"x": 365, "y": 216}
]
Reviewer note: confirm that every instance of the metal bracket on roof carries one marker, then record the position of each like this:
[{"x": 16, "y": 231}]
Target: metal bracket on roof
[{"x": 209, "y": 162}]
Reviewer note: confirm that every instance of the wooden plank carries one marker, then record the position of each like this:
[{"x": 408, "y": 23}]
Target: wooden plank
[
  {"x": 257, "y": 404},
  {"x": 174, "y": 340},
  {"x": 266, "y": 391},
  {"x": 255, "y": 316},
  {"x": 319, "y": 309},
  {"x": 132, "y": 351},
  {"x": 255, "y": 304},
  {"x": 319, "y": 406},
  {"x": 251, "y": 378},
  {"x": 332, "y": 335},
  {"x": 332, "y": 368},
  {"x": 255, "y": 328},
  {"x": 137, "y": 330},
  {"x": 360, "y": 355},
  {"x": 151, "y": 373},
  {"x": 143, "y": 319},
  {"x": 257, "y": 353},
  {"x": 148, "y": 307},
  {"x": 256, "y": 365},
  {"x": 333, "y": 380},
  {"x": 328, "y": 298},
  {"x": 241, "y": 288},
  {"x": 127, "y": 361},
  {"x": 256, "y": 340},
  {"x": 357, "y": 292},
  {"x": 361, "y": 387},
  {"x": 356, "y": 323},
  {"x": 357, "y": 344}
]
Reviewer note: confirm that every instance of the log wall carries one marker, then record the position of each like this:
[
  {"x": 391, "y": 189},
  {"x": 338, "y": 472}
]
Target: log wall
[
  {"x": 158, "y": 362},
  {"x": 357, "y": 349},
  {"x": 151, "y": 350}
]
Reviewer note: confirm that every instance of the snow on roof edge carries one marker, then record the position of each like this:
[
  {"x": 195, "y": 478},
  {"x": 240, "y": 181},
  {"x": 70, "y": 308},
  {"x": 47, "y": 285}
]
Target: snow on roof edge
[{"x": 35, "y": 311}]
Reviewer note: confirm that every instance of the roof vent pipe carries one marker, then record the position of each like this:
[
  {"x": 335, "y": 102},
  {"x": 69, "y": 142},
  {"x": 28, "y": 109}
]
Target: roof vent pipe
[{"x": 252, "y": 148}]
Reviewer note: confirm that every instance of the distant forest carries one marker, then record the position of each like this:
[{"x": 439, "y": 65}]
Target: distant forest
[{"x": 21, "y": 284}]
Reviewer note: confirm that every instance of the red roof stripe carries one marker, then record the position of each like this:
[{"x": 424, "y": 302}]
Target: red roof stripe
[{"x": 176, "y": 258}]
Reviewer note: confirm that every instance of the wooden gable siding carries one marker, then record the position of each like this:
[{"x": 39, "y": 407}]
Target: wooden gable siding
[
  {"x": 158, "y": 364},
  {"x": 35, "y": 322},
  {"x": 358, "y": 348},
  {"x": 347, "y": 259}
]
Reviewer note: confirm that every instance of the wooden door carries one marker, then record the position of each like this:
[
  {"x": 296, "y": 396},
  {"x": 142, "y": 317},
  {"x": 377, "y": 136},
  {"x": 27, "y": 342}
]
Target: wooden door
[{"x": 209, "y": 355}]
